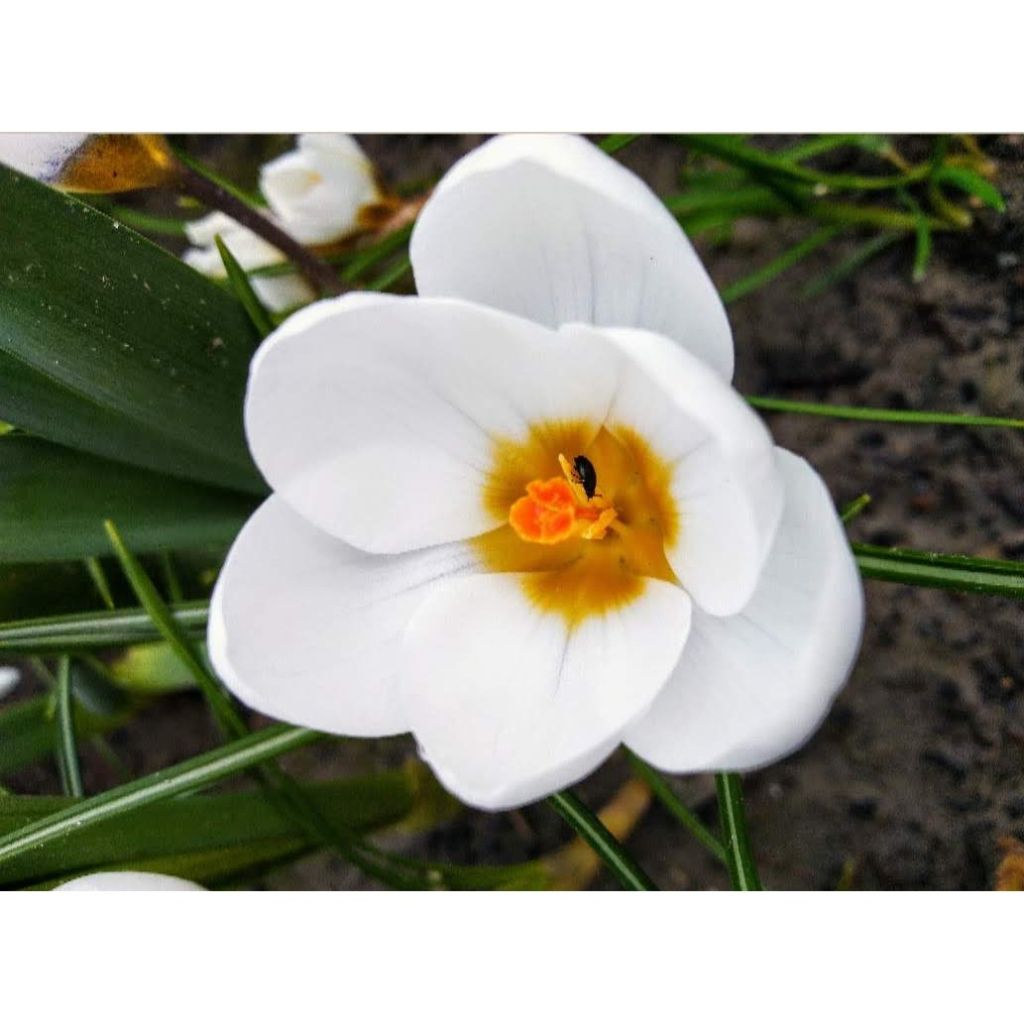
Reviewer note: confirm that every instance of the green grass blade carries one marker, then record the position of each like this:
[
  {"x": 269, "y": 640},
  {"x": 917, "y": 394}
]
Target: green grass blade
[
  {"x": 587, "y": 825},
  {"x": 783, "y": 262},
  {"x": 243, "y": 290},
  {"x": 613, "y": 143},
  {"x": 739, "y": 859},
  {"x": 90, "y": 630},
  {"x": 188, "y": 777},
  {"x": 852, "y": 263},
  {"x": 391, "y": 276},
  {"x": 99, "y": 579},
  {"x": 66, "y": 744},
  {"x": 946, "y": 572},
  {"x": 871, "y": 415},
  {"x": 224, "y": 710},
  {"x": 973, "y": 184},
  {"x": 663, "y": 792},
  {"x": 855, "y": 508}
]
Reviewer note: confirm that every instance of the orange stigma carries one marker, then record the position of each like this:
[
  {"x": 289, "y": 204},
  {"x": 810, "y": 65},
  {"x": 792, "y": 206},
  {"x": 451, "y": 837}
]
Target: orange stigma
[{"x": 554, "y": 510}]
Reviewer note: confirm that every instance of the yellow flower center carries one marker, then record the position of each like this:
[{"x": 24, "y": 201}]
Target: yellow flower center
[{"x": 581, "y": 554}]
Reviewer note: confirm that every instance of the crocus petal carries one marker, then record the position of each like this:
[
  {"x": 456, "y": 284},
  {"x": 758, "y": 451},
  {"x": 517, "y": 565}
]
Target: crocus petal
[
  {"x": 318, "y": 189},
  {"x": 9, "y": 679},
  {"x": 752, "y": 687},
  {"x": 550, "y": 228},
  {"x": 128, "y": 881},
  {"x": 376, "y": 417},
  {"x": 307, "y": 629},
  {"x": 727, "y": 489},
  {"x": 510, "y": 703},
  {"x": 40, "y": 155},
  {"x": 277, "y": 292}
]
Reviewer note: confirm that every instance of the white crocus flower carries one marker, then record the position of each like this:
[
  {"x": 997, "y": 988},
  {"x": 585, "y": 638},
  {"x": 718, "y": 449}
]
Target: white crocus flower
[
  {"x": 128, "y": 881},
  {"x": 277, "y": 293},
  {"x": 323, "y": 190},
  {"x": 524, "y": 515}
]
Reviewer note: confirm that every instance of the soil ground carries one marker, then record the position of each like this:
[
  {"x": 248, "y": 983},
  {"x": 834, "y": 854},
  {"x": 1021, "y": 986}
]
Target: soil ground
[{"x": 917, "y": 771}]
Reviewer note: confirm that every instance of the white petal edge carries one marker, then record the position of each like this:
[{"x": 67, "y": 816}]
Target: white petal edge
[
  {"x": 751, "y": 688},
  {"x": 726, "y": 486},
  {"x": 376, "y": 417},
  {"x": 307, "y": 629},
  {"x": 9, "y": 679},
  {"x": 509, "y": 704},
  {"x": 40, "y": 155},
  {"x": 128, "y": 881},
  {"x": 550, "y": 228}
]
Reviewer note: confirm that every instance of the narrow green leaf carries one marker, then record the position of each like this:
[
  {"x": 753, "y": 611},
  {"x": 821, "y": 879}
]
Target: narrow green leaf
[
  {"x": 194, "y": 825},
  {"x": 111, "y": 345},
  {"x": 739, "y": 859},
  {"x": 243, "y": 290},
  {"x": 613, "y": 143},
  {"x": 53, "y": 501},
  {"x": 852, "y": 263},
  {"x": 871, "y": 415},
  {"x": 223, "y": 708},
  {"x": 946, "y": 572},
  {"x": 391, "y": 276},
  {"x": 67, "y": 746},
  {"x": 663, "y": 792},
  {"x": 90, "y": 630},
  {"x": 781, "y": 263},
  {"x": 187, "y": 777},
  {"x": 99, "y": 578},
  {"x": 367, "y": 258},
  {"x": 751, "y": 158},
  {"x": 820, "y": 144},
  {"x": 855, "y": 508},
  {"x": 587, "y": 825},
  {"x": 973, "y": 184}
]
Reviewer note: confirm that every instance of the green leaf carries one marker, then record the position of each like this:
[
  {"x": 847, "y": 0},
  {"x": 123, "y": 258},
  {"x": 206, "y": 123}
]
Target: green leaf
[
  {"x": 89, "y": 630},
  {"x": 53, "y": 502},
  {"x": 852, "y": 263},
  {"x": 588, "y": 826},
  {"x": 660, "y": 788},
  {"x": 113, "y": 346},
  {"x": 946, "y": 572},
  {"x": 613, "y": 143},
  {"x": 55, "y": 828},
  {"x": 243, "y": 290},
  {"x": 26, "y": 727},
  {"x": 781, "y": 263},
  {"x": 739, "y": 859},
  {"x": 871, "y": 415},
  {"x": 973, "y": 184},
  {"x": 220, "y": 824},
  {"x": 67, "y": 746}
]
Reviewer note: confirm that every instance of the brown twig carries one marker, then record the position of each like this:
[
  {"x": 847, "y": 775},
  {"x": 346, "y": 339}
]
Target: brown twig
[{"x": 209, "y": 193}]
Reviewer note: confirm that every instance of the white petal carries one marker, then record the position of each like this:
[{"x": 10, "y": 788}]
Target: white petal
[
  {"x": 128, "y": 881},
  {"x": 753, "y": 687},
  {"x": 283, "y": 291},
  {"x": 9, "y": 679},
  {"x": 551, "y": 228},
  {"x": 318, "y": 189},
  {"x": 203, "y": 230},
  {"x": 306, "y": 629},
  {"x": 726, "y": 487},
  {"x": 38, "y": 154},
  {"x": 375, "y": 416},
  {"x": 509, "y": 704}
]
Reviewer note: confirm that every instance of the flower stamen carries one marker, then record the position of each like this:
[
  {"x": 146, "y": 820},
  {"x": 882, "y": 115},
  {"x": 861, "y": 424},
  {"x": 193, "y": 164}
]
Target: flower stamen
[{"x": 554, "y": 510}]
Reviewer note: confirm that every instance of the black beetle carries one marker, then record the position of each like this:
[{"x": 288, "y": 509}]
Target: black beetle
[{"x": 585, "y": 475}]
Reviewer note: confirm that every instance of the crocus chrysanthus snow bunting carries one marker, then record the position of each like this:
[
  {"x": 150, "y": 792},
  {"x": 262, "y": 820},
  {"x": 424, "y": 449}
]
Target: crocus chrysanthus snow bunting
[{"x": 524, "y": 515}]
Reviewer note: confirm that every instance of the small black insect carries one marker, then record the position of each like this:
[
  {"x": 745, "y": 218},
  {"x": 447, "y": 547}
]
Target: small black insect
[{"x": 585, "y": 475}]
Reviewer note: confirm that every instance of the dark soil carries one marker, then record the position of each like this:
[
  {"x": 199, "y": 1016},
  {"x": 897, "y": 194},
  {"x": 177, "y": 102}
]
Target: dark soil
[{"x": 917, "y": 771}]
